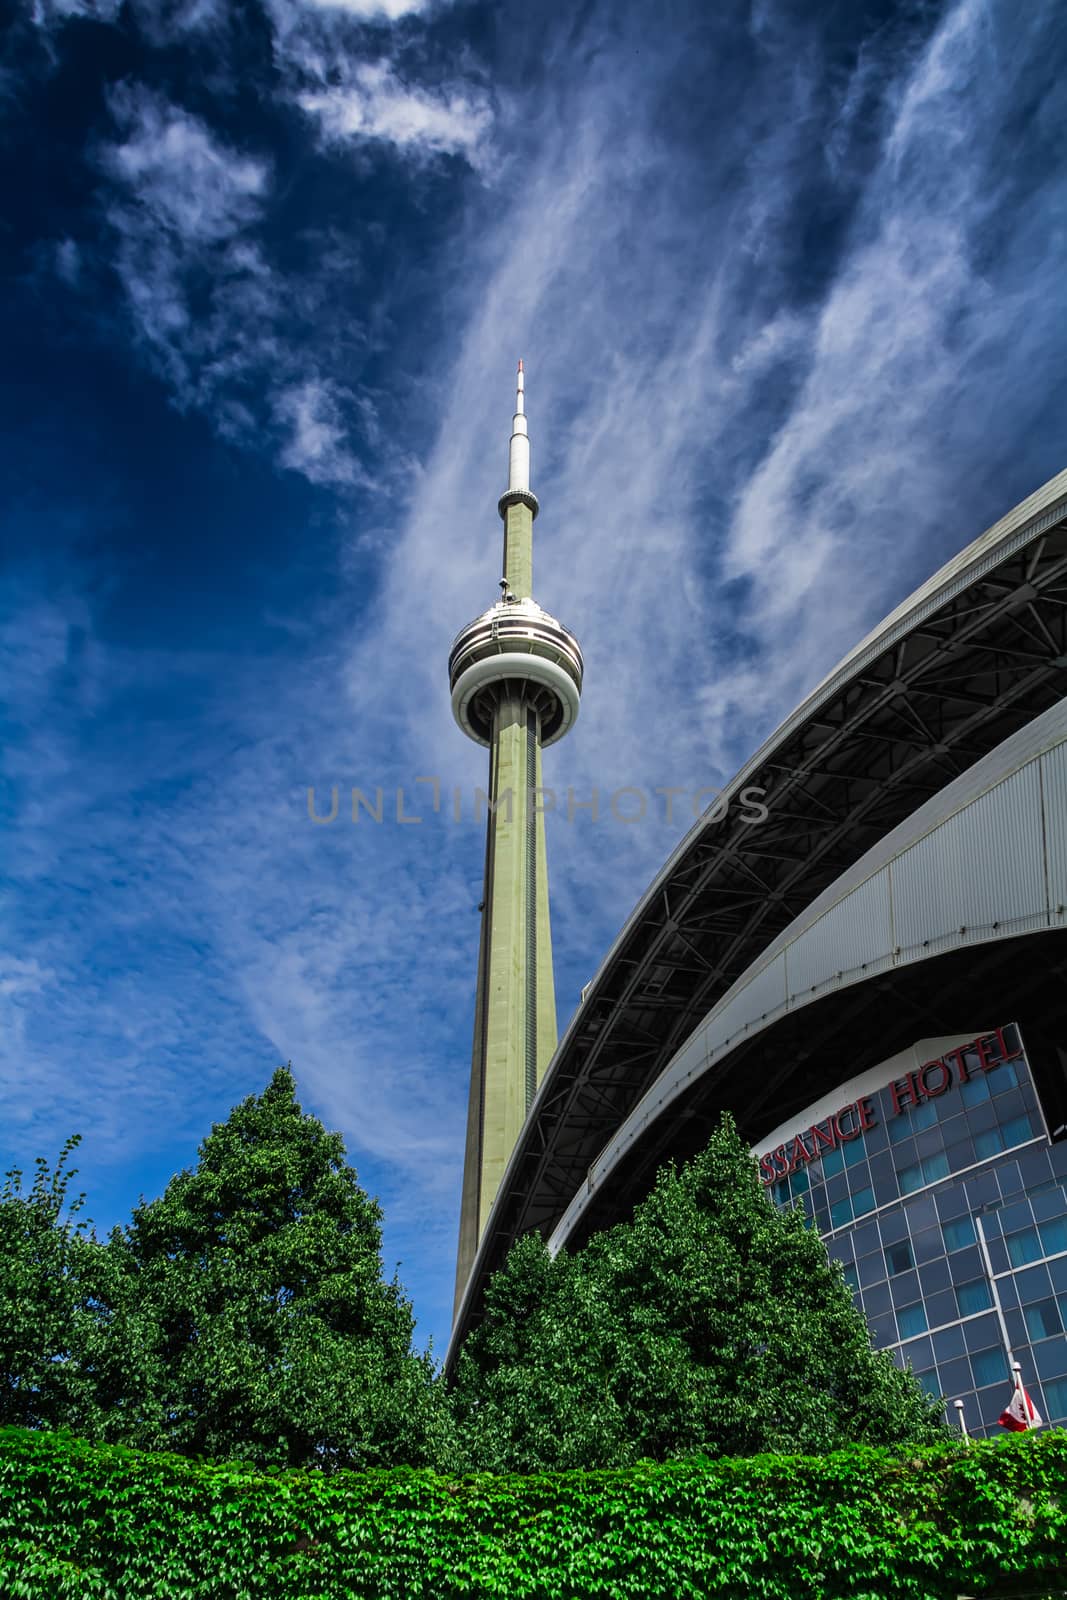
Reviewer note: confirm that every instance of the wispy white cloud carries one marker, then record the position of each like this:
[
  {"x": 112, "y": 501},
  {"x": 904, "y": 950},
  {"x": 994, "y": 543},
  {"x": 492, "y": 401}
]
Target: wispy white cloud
[
  {"x": 68, "y": 261},
  {"x": 372, "y": 10},
  {"x": 180, "y": 208},
  {"x": 213, "y": 307},
  {"x": 858, "y": 475},
  {"x": 317, "y": 436},
  {"x": 21, "y": 983},
  {"x": 186, "y": 181},
  {"x": 376, "y": 105},
  {"x": 47, "y": 13},
  {"x": 214, "y": 315}
]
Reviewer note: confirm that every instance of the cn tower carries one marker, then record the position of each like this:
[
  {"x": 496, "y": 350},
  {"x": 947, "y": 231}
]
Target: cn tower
[{"x": 516, "y": 680}]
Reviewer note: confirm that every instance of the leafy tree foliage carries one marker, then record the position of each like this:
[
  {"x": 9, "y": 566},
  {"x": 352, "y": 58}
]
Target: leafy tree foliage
[
  {"x": 711, "y": 1324},
  {"x": 253, "y": 1320},
  {"x": 54, "y": 1280},
  {"x": 243, "y": 1314}
]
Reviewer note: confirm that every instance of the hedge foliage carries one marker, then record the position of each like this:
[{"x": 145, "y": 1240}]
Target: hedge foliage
[{"x": 105, "y": 1521}]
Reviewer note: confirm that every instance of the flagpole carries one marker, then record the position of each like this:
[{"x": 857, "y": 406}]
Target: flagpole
[
  {"x": 1017, "y": 1372},
  {"x": 988, "y": 1265}
]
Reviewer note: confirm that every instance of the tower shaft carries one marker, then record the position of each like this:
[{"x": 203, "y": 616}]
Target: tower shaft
[
  {"x": 518, "y": 550},
  {"x": 515, "y": 1007}
]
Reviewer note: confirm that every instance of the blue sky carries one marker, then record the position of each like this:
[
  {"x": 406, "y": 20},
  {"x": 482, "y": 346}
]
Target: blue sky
[{"x": 788, "y": 282}]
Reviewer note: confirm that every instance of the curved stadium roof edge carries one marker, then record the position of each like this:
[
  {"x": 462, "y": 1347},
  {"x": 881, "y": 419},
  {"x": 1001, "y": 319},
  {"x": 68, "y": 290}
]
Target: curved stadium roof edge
[
  {"x": 1031, "y": 818},
  {"x": 973, "y": 654}
]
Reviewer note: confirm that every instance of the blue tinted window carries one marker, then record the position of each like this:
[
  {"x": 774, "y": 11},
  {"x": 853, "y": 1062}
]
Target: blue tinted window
[
  {"x": 841, "y": 1213},
  {"x": 990, "y": 1143},
  {"x": 935, "y": 1167},
  {"x": 1017, "y": 1130},
  {"x": 958, "y": 1233},
  {"x": 912, "y": 1320},
  {"x": 1055, "y": 1398},
  {"x": 1005, "y": 1077},
  {"x": 852, "y": 1277},
  {"x": 833, "y": 1161},
  {"x": 925, "y": 1114},
  {"x": 972, "y": 1297},
  {"x": 1053, "y": 1235},
  {"x": 854, "y": 1152},
  {"x": 1023, "y": 1247},
  {"x": 798, "y": 1183},
  {"x": 862, "y": 1202},
  {"x": 990, "y": 1366},
  {"x": 899, "y": 1129},
  {"x": 910, "y": 1178},
  {"x": 898, "y": 1258},
  {"x": 1042, "y": 1320},
  {"x": 930, "y": 1382},
  {"x": 976, "y": 1090}
]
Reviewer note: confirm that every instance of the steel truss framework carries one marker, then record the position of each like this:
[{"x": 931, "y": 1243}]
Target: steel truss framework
[{"x": 950, "y": 683}]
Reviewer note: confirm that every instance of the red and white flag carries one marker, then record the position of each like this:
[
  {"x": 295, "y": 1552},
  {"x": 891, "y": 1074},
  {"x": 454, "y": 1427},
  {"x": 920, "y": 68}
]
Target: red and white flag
[{"x": 1022, "y": 1413}]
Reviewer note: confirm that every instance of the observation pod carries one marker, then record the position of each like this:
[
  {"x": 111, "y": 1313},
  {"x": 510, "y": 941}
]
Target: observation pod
[{"x": 513, "y": 647}]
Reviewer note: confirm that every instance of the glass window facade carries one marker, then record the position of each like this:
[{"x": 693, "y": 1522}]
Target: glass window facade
[{"x": 896, "y": 1201}]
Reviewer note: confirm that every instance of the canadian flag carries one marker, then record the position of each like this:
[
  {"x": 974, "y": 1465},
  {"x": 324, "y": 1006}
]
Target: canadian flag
[{"x": 1021, "y": 1413}]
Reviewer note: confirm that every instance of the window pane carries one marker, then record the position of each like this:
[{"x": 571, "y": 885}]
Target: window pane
[
  {"x": 974, "y": 1091},
  {"x": 854, "y": 1152},
  {"x": 912, "y": 1320},
  {"x": 841, "y": 1213},
  {"x": 899, "y": 1129},
  {"x": 990, "y": 1366},
  {"x": 930, "y": 1382},
  {"x": 833, "y": 1161},
  {"x": 935, "y": 1167},
  {"x": 958, "y": 1233},
  {"x": 1018, "y": 1130},
  {"x": 1042, "y": 1320},
  {"x": 990, "y": 1143},
  {"x": 1053, "y": 1235},
  {"x": 910, "y": 1178},
  {"x": 862, "y": 1202},
  {"x": 852, "y": 1277},
  {"x": 1055, "y": 1398},
  {"x": 1023, "y": 1247},
  {"x": 798, "y": 1183},
  {"x": 898, "y": 1258},
  {"x": 1005, "y": 1077},
  {"x": 974, "y": 1296}
]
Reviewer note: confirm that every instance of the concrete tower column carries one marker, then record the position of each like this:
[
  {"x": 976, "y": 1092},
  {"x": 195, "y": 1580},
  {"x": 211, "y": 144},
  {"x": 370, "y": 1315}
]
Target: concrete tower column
[{"x": 516, "y": 678}]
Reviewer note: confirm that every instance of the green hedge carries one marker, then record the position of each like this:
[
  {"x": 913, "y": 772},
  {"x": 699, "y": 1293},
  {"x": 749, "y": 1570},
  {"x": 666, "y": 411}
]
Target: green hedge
[{"x": 84, "y": 1520}]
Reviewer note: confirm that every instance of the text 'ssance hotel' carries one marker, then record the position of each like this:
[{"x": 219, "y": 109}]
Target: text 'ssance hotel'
[{"x": 873, "y": 981}]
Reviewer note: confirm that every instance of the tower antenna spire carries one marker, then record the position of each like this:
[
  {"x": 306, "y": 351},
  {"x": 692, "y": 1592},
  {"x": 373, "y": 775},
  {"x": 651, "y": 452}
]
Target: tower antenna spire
[{"x": 519, "y": 450}]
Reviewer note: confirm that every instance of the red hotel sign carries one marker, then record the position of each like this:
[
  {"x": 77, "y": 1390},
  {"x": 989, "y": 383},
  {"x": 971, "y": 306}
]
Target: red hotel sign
[{"x": 933, "y": 1078}]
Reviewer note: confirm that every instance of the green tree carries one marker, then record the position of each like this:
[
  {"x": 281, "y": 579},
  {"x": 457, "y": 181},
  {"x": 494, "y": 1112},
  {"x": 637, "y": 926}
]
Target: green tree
[
  {"x": 251, "y": 1319},
  {"x": 711, "y": 1324},
  {"x": 55, "y": 1280}
]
